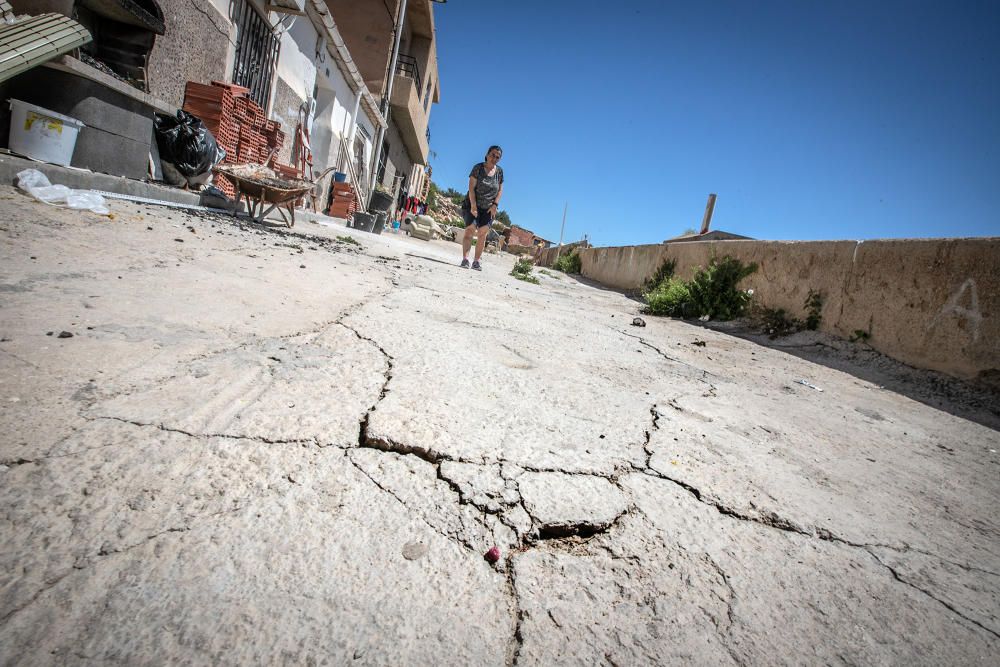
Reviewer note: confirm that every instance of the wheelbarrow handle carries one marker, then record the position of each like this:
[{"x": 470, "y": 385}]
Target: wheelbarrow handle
[{"x": 324, "y": 173}]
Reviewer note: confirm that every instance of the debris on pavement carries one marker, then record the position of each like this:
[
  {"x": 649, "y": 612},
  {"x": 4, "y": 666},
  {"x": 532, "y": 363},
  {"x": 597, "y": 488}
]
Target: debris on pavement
[
  {"x": 493, "y": 555},
  {"x": 36, "y": 184},
  {"x": 64, "y": 334},
  {"x": 414, "y": 550},
  {"x": 698, "y": 343},
  {"x": 638, "y": 322},
  {"x": 808, "y": 384}
]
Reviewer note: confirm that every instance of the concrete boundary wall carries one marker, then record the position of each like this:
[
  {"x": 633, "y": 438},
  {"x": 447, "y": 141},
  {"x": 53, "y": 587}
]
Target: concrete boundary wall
[{"x": 931, "y": 303}]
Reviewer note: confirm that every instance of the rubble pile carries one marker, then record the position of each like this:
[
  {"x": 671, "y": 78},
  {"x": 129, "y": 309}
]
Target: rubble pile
[{"x": 446, "y": 211}]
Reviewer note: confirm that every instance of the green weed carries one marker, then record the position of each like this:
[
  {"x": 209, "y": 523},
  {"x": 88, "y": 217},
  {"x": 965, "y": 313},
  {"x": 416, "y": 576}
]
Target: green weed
[
  {"x": 522, "y": 271},
  {"x": 713, "y": 289},
  {"x": 671, "y": 298},
  {"x": 777, "y": 322},
  {"x": 348, "y": 239},
  {"x": 860, "y": 335},
  {"x": 665, "y": 272},
  {"x": 568, "y": 263},
  {"x": 814, "y": 307},
  {"x": 711, "y": 292}
]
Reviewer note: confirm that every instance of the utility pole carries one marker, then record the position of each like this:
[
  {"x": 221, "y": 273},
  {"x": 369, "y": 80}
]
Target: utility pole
[
  {"x": 709, "y": 210},
  {"x": 562, "y": 229}
]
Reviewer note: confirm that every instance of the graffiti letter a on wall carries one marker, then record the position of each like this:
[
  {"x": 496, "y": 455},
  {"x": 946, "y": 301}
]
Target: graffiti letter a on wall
[{"x": 953, "y": 307}]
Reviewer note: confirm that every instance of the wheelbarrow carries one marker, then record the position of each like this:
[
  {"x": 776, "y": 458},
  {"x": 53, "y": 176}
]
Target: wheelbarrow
[{"x": 265, "y": 191}]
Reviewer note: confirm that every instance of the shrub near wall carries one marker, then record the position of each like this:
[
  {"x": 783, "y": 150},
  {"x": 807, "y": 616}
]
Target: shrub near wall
[{"x": 932, "y": 303}]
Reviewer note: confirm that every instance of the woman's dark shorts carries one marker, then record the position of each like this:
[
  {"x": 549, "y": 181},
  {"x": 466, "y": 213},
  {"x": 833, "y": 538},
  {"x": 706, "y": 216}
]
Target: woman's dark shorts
[{"x": 483, "y": 220}]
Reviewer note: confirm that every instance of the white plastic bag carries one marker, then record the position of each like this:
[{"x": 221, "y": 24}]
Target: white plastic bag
[
  {"x": 87, "y": 200},
  {"x": 38, "y": 186},
  {"x": 32, "y": 178}
]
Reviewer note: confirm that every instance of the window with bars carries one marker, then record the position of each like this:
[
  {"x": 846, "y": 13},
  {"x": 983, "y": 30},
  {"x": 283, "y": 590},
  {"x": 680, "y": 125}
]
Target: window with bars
[
  {"x": 360, "y": 169},
  {"x": 256, "y": 51},
  {"x": 382, "y": 160}
]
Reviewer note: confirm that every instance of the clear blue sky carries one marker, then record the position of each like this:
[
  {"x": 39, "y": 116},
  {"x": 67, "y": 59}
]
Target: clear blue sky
[{"x": 811, "y": 120}]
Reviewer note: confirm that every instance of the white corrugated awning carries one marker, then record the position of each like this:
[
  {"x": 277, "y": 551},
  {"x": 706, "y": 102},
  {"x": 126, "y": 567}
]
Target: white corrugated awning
[{"x": 31, "y": 41}]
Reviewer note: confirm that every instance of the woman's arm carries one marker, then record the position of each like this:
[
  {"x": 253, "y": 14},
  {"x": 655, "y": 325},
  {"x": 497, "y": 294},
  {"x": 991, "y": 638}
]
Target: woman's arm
[
  {"x": 496, "y": 202},
  {"x": 472, "y": 195}
]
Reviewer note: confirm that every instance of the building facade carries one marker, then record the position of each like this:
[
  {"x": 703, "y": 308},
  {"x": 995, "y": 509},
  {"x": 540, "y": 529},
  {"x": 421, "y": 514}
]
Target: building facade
[
  {"x": 318, "y": 64},
  {"x": 368, "y": 26},
  {"x": 297, "y": 65}
]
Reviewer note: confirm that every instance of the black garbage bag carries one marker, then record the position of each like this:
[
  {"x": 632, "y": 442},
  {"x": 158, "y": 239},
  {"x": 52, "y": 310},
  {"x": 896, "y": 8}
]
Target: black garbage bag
[{"x": 185, "y": 142}]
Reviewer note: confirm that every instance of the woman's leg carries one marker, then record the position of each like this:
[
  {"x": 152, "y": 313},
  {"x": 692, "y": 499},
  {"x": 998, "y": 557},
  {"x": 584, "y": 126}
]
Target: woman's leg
[
  {"x": 482, "y": 233},
  {"x": 467, "y": 240}
]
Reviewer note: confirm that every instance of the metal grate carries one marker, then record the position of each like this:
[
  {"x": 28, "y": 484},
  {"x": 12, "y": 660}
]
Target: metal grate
[
  {"x": 407, "y": 66},
  {"x": 256, "y": 52}
]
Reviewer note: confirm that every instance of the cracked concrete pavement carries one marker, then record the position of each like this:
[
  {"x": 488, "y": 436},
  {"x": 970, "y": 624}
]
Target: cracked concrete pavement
[{"x": 263, "y": 446}]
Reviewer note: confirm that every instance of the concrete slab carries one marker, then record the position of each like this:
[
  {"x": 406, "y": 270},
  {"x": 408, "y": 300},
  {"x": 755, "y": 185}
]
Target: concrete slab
[{"x": 265, "y": 445}]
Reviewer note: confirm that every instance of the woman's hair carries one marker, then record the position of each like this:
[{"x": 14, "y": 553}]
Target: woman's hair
[{"x": 493, "y": 148}]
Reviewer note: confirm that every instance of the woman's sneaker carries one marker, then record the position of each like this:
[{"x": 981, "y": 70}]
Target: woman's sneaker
[
  {"x": 475, "y": 266},
  {"x": 464, "y": 264}
]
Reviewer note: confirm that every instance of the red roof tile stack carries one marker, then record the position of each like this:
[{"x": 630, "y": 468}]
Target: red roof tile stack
[
  {"x": 344, "y": 202},
  {"x": 237, "y": 122}
]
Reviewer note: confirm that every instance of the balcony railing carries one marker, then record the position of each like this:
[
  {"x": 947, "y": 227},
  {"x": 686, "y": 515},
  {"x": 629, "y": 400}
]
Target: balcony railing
[{"x": 407, "y": 66}]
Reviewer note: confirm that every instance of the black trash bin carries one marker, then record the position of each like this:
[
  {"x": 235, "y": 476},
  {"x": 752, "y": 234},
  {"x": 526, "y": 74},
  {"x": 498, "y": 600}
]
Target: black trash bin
[
  {"x": 365, "y": 221},
  {"x": 381, "y": 201}
]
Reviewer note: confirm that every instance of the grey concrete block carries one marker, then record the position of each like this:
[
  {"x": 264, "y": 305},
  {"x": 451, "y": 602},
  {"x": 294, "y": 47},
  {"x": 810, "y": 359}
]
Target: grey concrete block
[
  {"x": 108, "y": 153},
  {"x": 10, "y": 165}
]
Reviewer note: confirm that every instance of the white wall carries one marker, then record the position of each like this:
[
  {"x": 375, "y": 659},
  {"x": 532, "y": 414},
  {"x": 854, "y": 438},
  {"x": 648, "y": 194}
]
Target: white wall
[
  {"x": 222, "y": 6},
  {"x": 296, "y": 60},
  {"x": 305, "y": 63}
]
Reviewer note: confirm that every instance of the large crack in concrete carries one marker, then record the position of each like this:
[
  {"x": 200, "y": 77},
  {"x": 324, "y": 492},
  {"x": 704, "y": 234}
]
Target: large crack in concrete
[
  {"x": 724, "y": 632},
  {"x": 227, "y": 436},
  {"x": 898, "y": 577},
  {"x": 517, "y": 638},
  {"x": 450, "y": 537},
  {"x": 86, "y": 562},
  {"x": 570, "y": 534},
  {"x": 699, "y": 374},
  {"x": 34, "y": 598},
  {"x": 776, "y": 522}
]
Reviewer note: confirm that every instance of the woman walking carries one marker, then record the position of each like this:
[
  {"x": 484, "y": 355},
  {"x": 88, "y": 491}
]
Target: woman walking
[{"x": 480, "y": 206}]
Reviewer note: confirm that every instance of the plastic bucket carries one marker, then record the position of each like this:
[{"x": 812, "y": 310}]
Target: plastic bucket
[
  {"x": 42, "y": 134},
  {"x": 339, "y": 177}
]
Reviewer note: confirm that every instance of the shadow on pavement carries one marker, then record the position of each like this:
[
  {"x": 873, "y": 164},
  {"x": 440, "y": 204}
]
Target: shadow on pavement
[{"x": 977, "y": 402}]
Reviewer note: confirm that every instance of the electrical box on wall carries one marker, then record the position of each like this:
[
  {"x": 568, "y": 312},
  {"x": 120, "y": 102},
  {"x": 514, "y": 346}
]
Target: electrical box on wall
[{"x": 287, "y": 6}]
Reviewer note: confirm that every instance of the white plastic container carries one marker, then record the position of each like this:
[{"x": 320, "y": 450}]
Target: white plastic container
[{"x": 42, "y": 134}]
